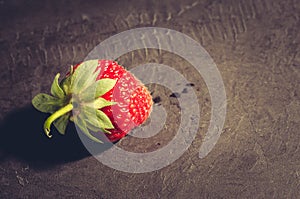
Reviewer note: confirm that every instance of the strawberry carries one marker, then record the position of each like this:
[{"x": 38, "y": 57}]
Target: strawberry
[{"x": 98, "y": 96}]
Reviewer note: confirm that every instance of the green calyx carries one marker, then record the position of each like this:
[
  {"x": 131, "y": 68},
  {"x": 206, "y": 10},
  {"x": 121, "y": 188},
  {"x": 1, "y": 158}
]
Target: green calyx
[{"x": 77, "y": 98}]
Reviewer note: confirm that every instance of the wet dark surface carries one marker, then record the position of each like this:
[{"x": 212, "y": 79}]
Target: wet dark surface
[{"x": 255, "y": 45}]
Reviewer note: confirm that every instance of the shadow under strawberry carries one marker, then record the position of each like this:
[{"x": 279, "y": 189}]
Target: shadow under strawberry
[{"x": 22, "y": 136}]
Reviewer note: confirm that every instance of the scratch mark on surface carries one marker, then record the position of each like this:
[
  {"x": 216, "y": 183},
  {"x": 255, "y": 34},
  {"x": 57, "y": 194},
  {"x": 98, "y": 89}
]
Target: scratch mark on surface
[
  {"x": 74, "y": 53},
  {"x": 234, "y": 29},
  {"x": 144, "y": 18},
  {"x": 154, "y": 19},
  {"x": 159, "y": 42},
  {"x": 169, "y": 16},
  {"x": 60, "y": 52},
  {"x": 45, "y": 53},
  {"x": 242, "y": 18},
  {"x": 187, "y": 7},
  {"x": 205, "y": 27},
  {"x": 17, "y": 35},
  {"x": 52, "y": 49},
  {"x": 253, "y": 10},
  {"x": 146, "y": 49},
  {"x": 58, "y": 26},
  {"x": 12, "y": 58}
]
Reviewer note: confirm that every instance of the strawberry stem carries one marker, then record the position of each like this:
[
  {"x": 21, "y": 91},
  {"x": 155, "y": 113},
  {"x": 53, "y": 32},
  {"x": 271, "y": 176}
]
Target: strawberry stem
[{"x": 55, "y": 116}]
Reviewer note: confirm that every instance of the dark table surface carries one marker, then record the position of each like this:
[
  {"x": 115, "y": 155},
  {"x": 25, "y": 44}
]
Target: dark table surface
[{"x": 255, "y": 45}]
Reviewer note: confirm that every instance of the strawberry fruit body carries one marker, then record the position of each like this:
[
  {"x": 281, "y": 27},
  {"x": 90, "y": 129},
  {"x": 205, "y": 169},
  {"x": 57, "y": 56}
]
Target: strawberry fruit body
[{"x": 98, "y": 96}]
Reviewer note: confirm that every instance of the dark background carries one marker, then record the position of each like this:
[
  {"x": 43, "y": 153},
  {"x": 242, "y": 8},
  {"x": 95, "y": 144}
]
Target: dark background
[{"x": 255, "y": 44}]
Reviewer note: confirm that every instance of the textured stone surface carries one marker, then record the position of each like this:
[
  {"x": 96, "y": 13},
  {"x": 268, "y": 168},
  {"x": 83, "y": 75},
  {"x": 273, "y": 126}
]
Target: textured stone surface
[{"x": 255, "y": 44}]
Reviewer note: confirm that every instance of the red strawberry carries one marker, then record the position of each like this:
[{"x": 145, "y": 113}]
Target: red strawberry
[{"x": 98, "y": 95}]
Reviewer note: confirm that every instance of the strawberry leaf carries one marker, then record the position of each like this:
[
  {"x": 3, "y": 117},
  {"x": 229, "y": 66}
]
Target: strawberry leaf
[
  {"x": 84, "y": 76},
  {"x": 81, "y": 123},
  {"x": 61, "y": 123},
  {"x": 97, "y": 118},
  {"x": 104, "y": 85},
  {"x": 46, "y": 103},
  {"x": 98, "y": 89},
  {"x": 66, "y": 83},
  {"x": 104, "y": 120},
  {"x": 99, "y": 103},
  {"x": 92, "y": 127},
  {"x": 95, "y": 129},
  {"x": 105, "y": 131},
  {"x": 56, "y": 90}
]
